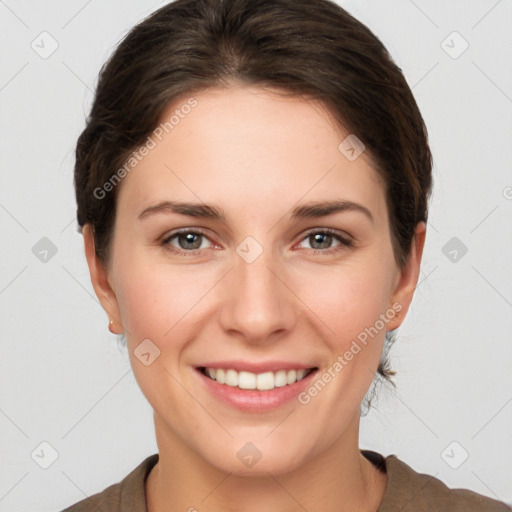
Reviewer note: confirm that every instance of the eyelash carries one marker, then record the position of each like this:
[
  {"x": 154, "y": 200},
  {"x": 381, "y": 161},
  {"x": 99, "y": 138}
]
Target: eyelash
[{"x": 344, "y": 242}]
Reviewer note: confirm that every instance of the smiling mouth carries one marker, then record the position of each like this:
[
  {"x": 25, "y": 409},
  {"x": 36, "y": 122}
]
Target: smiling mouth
[{"x": 256, "y": 381}]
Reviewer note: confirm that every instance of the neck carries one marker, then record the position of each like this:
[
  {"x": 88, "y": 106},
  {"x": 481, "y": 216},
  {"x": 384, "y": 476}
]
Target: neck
[{"x": 339, "y": 479}]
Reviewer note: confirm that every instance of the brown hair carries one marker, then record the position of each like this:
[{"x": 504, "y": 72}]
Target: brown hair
[{"x": 310, "y": 48}]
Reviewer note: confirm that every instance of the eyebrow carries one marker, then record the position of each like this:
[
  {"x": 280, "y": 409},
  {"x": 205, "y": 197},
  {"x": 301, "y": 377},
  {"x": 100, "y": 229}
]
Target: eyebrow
[
  {"x": 324, "y": 208},
  {"x": 309, "y": 210},
  {"x": 190, "y": 209}
]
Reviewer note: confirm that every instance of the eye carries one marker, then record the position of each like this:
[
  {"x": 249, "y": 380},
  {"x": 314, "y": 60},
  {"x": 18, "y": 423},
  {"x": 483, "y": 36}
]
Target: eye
[
  {"x": 186, "y": 241},
  {"x": 322, "y": 240}
]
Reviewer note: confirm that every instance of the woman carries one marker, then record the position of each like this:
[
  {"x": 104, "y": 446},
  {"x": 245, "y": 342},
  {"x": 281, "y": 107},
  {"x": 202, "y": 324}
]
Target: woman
[{"x": 252, "y": 188}]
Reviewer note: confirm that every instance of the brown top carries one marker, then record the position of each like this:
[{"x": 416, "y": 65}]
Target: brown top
[{"x": 406, "y": 491}]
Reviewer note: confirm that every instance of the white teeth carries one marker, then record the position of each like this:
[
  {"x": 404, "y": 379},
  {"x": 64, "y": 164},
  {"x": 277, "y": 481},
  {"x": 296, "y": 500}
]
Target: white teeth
[
  {"x": 246, "y": 380},
  {"x": 231, "y": 378},
  {"x": 220, "y": 376},
  {"x": 280, "y": 379},
  {"x": 265, "y": 381},
  {"x": 262, "y": 381},
  {"x": 291, "y": 376}
]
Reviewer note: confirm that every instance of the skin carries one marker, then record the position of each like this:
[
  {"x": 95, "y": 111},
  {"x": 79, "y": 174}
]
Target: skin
[{"x": 256, "y": 155}]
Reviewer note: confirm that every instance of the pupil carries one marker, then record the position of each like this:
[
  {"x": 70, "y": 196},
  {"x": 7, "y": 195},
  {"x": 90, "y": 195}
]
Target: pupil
[
  {"x": 322, "y": 237},
  {"x": 189, "y": 239}
]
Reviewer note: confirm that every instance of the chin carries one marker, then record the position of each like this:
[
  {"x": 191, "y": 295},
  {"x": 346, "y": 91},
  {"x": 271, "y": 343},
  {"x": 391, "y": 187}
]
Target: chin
[{"x": 245, "y": 458}]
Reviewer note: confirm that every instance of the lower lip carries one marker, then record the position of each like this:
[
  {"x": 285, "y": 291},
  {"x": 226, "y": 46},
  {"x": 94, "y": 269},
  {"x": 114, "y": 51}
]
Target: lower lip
[{"x": 254, "y": 400}]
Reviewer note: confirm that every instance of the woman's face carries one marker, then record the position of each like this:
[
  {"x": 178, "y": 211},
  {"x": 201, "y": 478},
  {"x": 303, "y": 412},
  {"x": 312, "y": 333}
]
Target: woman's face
[{"x": 258, "y": 281}]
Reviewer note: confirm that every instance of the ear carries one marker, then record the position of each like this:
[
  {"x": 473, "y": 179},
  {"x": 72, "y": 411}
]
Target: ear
[
  {"x": 408, "y": 277},
  {"x": 100, "y": 281}
]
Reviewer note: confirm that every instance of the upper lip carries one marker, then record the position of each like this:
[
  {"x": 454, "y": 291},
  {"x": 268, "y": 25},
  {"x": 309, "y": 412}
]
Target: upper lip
[{"x": 268, "y": 366}]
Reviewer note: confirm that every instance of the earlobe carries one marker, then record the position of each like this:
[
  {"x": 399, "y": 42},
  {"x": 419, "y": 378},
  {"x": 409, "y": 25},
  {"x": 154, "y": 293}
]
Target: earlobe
[
  {"x": 100, "y": 281},
  {"x": 404, "y": 291}
]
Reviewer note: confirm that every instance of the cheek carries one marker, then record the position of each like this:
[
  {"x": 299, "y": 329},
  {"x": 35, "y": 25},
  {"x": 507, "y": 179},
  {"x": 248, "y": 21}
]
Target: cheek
[
  {"x": 157, "y": 301},
  {"x": 160, "y": 303},
  {"x": 164, "y": 303},
  {"x": 347, "y": 299},
  {"x": 347, "y": 303}
]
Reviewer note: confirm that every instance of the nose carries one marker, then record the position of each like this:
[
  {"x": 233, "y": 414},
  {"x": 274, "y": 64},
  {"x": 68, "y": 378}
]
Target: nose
[{"x": 258, "y": 304}]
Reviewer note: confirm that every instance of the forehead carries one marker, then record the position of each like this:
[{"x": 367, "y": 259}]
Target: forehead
[{"x": 246, "y": 146}]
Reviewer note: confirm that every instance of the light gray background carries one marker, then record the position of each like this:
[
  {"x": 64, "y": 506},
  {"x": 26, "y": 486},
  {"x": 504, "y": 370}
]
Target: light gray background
[{"x": 64, "y": 380}]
